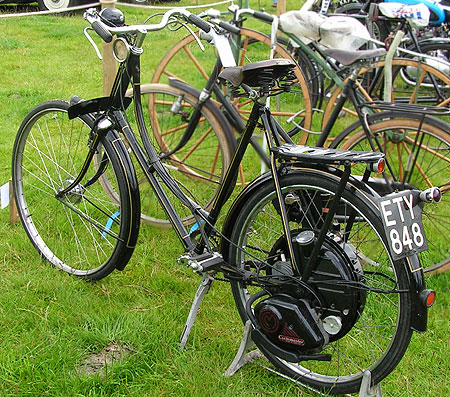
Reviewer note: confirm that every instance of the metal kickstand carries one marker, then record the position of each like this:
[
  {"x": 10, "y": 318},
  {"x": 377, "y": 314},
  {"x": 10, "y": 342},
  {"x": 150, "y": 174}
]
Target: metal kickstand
[
  {"x": 241, "y": 357},
  {"x": 202, "y": 290},
  {"x": 369, "y": 391}
]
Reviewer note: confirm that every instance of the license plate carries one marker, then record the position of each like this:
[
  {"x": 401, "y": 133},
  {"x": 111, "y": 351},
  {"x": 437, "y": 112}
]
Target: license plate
[{"x": 402, "y": 219}]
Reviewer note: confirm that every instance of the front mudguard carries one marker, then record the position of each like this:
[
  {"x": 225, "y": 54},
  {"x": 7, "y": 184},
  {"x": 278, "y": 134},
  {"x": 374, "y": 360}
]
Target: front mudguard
[
  {"x": 413, "y": 270},
  {"x": 133, "y": 189}
]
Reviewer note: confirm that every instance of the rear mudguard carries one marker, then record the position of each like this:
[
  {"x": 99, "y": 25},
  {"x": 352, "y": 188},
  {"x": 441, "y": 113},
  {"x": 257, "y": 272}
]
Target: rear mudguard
[{"x": 416, "y": 282}]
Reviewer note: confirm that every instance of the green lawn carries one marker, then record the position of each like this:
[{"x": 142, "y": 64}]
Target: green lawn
[{"x": 50, "y": 322}]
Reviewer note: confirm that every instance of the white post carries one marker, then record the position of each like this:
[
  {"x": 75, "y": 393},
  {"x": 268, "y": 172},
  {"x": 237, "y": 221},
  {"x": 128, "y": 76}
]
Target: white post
[
  {"x": 388, "y": 66},
  {"x": 13, "y": 216}
]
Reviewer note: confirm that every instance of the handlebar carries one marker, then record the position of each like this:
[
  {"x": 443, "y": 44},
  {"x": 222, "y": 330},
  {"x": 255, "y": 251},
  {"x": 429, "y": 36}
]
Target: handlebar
[
  {"x": 106, "y": 32},
  {"x": 101, "y": 29},
  {"x": 263, "y": 16},
  {"x": 200, "y": 23},
  {"x": 226, "y": 26}
]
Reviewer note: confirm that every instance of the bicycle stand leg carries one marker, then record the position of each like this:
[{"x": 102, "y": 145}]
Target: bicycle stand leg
[
  {"x": 241, "y": 357},
  {"x": 369, "y": 391},
  {"x": 202, "y": 290}
]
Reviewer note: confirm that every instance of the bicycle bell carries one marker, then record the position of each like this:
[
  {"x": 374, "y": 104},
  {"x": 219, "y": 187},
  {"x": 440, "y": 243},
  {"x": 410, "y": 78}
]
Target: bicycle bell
[{"x": 112, "y": 17}]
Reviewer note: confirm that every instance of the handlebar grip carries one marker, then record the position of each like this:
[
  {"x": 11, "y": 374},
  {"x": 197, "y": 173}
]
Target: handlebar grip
[
  {"x": 229, "y": 27},
  {"x": 263, "y": 16},
  {"x": 199, "y": 23},
  {"x": 101, "y": 30}
]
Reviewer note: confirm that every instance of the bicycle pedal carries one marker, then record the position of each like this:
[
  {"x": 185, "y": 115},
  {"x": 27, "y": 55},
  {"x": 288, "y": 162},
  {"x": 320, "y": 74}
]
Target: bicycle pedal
[{"x": 201, "y": 263}]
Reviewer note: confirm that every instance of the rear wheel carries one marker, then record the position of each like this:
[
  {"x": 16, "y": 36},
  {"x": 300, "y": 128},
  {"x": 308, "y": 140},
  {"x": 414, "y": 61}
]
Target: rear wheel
[
  {"x": 84, "y": 233},
  {"x": 367, "y": 330},
  {"x": 395, "y": 135}
]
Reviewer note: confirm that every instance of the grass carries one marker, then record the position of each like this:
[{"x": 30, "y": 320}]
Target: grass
[{"x": 50, "y": 322}]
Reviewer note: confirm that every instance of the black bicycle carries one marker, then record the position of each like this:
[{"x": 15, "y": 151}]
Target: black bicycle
[{"x": 305, "y": 246}]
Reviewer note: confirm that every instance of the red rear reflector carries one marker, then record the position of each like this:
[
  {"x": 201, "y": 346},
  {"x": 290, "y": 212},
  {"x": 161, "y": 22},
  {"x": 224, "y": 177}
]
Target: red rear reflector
[
  {"x": 428, "y": 296},
  {"x": 380, "y": 166},
  {"x": 437, "y": 195}
]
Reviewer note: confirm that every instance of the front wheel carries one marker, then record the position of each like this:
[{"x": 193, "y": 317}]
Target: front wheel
[
  {"x": 365, "y": 328},
  {"x": 83, "y": 233}
]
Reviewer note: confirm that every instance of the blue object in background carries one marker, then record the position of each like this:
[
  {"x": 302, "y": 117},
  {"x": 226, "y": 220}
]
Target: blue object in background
[
  {"x": 109, "y": 223},
  {"x": 437, "y": 13}
]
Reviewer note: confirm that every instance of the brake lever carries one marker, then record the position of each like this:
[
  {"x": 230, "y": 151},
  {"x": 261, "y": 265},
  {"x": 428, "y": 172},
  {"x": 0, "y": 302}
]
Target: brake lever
[
  {"x": 92, "y": 42},
  {"x": 192, "y": 33}
]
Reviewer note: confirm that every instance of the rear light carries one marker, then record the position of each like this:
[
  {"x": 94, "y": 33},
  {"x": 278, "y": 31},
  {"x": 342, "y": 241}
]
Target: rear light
[
  {"x": 431, "y": 195},
  {"x": 428, "y": 296}
]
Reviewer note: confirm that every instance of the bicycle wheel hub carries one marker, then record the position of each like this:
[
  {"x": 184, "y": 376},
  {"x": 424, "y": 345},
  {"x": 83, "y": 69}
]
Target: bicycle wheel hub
[
  {"x": 397, "y": 135},
  {"x": 306, "y": 318},
  {"x": 75, "y": 194}
]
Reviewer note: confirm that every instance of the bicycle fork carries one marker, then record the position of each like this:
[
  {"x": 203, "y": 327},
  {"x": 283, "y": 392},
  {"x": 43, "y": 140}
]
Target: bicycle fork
[{"x": 98, "y": 131}]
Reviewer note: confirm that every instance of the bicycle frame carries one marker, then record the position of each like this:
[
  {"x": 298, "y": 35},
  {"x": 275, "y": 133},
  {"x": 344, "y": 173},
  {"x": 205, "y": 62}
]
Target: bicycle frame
[
  {"x": 276, "y": 137},
  {"x": 152, "y": 166},
  {"x": 151, "y": 162}
]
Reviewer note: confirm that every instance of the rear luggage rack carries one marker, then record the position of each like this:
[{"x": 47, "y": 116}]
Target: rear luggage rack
[{"x": 315, "y": 155}]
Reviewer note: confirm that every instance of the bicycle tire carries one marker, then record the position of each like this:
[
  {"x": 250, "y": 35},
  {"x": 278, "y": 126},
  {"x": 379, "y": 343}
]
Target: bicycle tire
[
  {"x": 186, "y": 52},
  {"x": 396, "y": 133},
  {"x": 419, "y": 93},
  {"x": 84, "y": 233},
  {"x": 257, "y": 230},
  {"x": 200, "y": 166}
]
